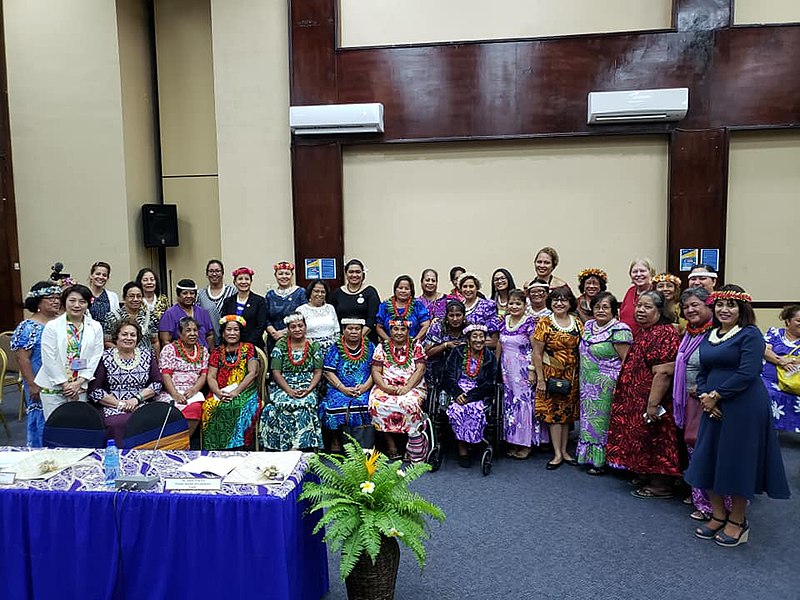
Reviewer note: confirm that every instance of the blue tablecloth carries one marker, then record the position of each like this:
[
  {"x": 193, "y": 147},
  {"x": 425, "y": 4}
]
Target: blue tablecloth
[{"x": 62, "y": 539}]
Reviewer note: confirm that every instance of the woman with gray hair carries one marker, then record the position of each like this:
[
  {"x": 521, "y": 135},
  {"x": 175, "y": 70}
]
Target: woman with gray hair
[
  {"x": 641, "y": 271},
  {"x": 642, "y": 437}
]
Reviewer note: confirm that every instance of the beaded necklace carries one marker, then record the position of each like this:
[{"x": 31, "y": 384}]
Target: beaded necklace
[
  {"x": 715, "y": 338},
  {"x": 472, "y": 374},
  {"x": 392, "y": 355},
  {"x": 184, "y": 354},
  {"x": 130, "y": 364},
  {"x": 557, "y": 327},
  {"x": 290, "y": 353},
  {"x": 512, "y": 328},
  {"x": 395, "y": 311},
  {"x": 694, "y": 331},
  {"x": 356, "y": 357}
]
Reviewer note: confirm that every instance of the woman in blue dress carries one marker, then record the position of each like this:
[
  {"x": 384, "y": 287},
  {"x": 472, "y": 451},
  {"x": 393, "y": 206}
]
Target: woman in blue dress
[
  {"x": 783, "y": 351},
  {"x": 282, "y": 302},
  {"x": 348, "y": 369},
  {"x": 737, "y": 452},
  {"x": 44, "y": 301},
  {"x": 403, "y": 306}
]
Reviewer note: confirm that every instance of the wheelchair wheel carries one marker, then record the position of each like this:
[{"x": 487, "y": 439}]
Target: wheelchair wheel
[
  {"x": 435, "y": 459},
  {"x": 486, "y": 462}
]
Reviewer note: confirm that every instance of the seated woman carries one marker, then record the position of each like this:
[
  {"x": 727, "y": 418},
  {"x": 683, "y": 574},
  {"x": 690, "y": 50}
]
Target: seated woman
[
  {"x": 290, "y": 420},
  {"x": 479, "y": 310},
  {"x": 642, "y": 437},
  {"x": 132, "y": 308},
  {"x": 470, "y": 376},
  {"x": 395, "y": 402},
  {"x": 231, "y": 409},
  {"x": 442, "y": 337},
  {"x": 184, "y": 369},
  {"x": 349, "y": 373},
  {"x": 590, "y": 283},
  {"x": 127, "y": 376},
  {"x": 783, "y": 352},
  {"x": 403, "y": 306}
]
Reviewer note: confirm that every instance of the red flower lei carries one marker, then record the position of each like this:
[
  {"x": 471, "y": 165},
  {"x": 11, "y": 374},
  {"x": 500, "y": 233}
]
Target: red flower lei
[
  {"x": 396, "y": 315},
  {"x": 479, "y": 362},
  {"x": 184, "y": 354},
  {"x": 353, "y": 356},
  {"x": 291, "y": 355},
  {"x": 693, "y": 331},
  {"x": 390, "y": 354}
]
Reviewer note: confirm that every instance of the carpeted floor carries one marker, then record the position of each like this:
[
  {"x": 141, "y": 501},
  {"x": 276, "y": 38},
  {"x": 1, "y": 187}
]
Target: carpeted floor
[{"x": 525, "y": 532}]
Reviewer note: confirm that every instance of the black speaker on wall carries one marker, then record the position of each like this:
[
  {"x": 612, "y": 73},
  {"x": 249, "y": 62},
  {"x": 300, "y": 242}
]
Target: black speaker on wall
[{"x": 160, "y": 224}]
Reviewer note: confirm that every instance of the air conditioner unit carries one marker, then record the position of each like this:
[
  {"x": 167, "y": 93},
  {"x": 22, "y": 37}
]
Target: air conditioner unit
[
  {"x": 668, "y": 104},
  {"x": 328, "y": 119}
]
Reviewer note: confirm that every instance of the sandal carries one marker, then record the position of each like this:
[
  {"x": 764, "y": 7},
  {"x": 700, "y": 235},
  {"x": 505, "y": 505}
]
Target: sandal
[
  {"x": 728, "y": 541},
  {"x": 700, "y": 515},
  {"x": 648, "y": 494},
  {"x": 596, "y": 471},
  {"x": 706, "y": 532}
]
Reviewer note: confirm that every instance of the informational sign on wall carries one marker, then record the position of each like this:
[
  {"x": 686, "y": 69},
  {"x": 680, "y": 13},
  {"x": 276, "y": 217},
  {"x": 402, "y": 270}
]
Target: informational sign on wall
[
  {"x": 320, "y": 268},
  {"x": 688, "y": 258},
  {"x": 710, "y": 257}
]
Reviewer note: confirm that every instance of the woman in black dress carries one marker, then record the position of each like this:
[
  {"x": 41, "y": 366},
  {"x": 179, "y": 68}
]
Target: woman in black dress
[
  {"x": 354, "y": 300},
  {"x": 248, "y": 305}
]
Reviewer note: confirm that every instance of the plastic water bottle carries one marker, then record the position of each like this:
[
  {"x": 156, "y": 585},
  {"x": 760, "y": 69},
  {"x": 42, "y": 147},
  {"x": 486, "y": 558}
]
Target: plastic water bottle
[{"x": 111, "y": 463}]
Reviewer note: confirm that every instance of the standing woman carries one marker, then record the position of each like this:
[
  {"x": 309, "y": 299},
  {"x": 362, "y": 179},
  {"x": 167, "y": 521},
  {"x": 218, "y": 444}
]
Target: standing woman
[
  {"x": 537, "y": 292},
  {"x": 319, "y": 317},
  {"x": 132, "y": 309},
  {"x": 186, "y": 306},
  {"x": 604, "y": 345},
  {"x": 545, "y": 263},
  {"x": 71, "y": 348},
  {"x": 103, "y": 300},
  {"x": 642, "y": 437},
  {"x": 641, "y": 271},
  {"x": 44, "y": 301},
  {"x": 455, "y": 273},
  {"x": 669, "y": 286},
  {"x": 520, "y": 429},
  {"x": 429, "y": 282},
  {"x": 590, "y": 283},
  {"x": 249, "y": 306},
  {"x": 214, "y": 294},
  {"x": 402, "y": 306},
  {"x": 290, "y": 420},
  {"x": 155, "y": 302},
  {"x": 555, "y": 359},
  {"x": 355, "y": 300},
  {"x": 231, "y": 409},
  {"x": 738, "y": 453},
  {"x": 282, "y": 302},
  {"x": 502, "y": 284},
  {"x": 479, "y": 310},
  {"x": 783, "y": 352},
  {"x": 703, "y": 275}
]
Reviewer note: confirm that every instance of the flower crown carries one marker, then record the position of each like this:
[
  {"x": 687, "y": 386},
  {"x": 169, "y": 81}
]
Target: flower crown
[
  {"x": 667, "y": 278},
  {"x": 599, "y": 273},
  {"x": 731, "y": 295},
  {"x": 291, "y": 318},
  {"x": 52, "y": 290},
  {"x": 404, "y": 322},
  {"x": 229, "y": 318},
  {"x": 243, "y": 271},
  {"x": 283, "y": 265},
  {"x": 475, "y": 327}
]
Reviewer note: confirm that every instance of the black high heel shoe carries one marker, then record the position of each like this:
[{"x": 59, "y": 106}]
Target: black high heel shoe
[
  {"x": 707, "y": 532},
  {"x": 728, "y": 541}
]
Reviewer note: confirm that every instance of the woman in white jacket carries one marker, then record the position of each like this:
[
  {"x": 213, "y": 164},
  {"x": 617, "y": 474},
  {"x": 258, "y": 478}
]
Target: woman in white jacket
[{"x": 71, "y": 348}]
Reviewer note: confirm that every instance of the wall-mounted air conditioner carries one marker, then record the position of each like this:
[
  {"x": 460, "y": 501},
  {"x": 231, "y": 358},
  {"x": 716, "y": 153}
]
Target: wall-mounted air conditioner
[
  {"x": 332, "y": 119},
  {"x": 668, "y": 104}
]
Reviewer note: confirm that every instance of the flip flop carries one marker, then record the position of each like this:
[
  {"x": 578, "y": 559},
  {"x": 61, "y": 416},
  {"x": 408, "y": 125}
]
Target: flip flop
[
  {"x": 647, "y": 494},
  {"x": 699, "y": 515}
]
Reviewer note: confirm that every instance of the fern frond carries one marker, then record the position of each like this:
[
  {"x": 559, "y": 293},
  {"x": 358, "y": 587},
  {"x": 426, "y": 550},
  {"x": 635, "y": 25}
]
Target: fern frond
[{"x": 351, "y": 552}]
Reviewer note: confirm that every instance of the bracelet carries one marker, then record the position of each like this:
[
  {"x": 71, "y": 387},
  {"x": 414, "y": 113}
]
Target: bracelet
[
  {"x": 531, "y": 368},
  {"x": 119, "y": 404}
]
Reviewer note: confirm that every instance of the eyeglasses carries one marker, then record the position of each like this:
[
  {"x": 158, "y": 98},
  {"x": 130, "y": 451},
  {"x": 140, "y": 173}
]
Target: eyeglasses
[{"x": 560, "y": 301}]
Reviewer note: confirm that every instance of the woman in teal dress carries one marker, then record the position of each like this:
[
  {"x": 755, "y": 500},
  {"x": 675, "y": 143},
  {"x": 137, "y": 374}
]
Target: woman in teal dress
[{"x": 290, "y": 419}]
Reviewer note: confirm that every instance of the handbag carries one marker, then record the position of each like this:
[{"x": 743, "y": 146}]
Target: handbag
[
  {"x": 556, "y": 385},
  {"x": 364, "y": 434},
  {"x": 789, "y": 377}
]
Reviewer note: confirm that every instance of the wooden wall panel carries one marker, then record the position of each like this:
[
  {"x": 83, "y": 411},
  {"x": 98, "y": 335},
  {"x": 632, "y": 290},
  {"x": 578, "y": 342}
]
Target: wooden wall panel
[{"x": 312, "y": 46}]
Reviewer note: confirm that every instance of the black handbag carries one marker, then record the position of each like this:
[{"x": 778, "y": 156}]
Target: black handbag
[
  {"x": 364, "y": 434},
  {"x": 558, "y": 386}
]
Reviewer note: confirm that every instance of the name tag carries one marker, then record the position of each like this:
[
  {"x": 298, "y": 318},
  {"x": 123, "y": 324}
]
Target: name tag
[
  {"x": 7, "y": 478},
  {"x": 190, "y": 483},
  {"x": 78, "y": 364}
]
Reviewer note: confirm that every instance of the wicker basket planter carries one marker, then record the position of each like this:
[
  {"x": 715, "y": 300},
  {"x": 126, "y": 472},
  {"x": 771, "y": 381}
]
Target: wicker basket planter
[{"x": 375, "y": 581}]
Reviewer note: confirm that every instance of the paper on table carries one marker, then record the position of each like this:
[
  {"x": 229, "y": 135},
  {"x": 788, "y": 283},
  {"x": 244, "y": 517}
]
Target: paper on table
[
  {"x": 218, "y": 465},
  {"x": 43, "y": 464},
  {"x": 251, "y": 471},
  {"x": 8, "y": 459}
]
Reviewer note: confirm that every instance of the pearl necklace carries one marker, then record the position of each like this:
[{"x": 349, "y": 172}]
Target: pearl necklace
[
  {"x": 601, "y": 328},
  {"x": 715, "y": 338},
  {"x": 558, "y": 327},
  {"x": 511, "y": 328},
  {"x": 127, "y": 364},
  {"x": 287, "y": 292}
]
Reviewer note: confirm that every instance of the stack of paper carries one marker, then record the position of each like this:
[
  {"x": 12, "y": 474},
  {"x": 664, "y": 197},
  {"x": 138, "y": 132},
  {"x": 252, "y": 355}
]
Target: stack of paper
[{"x": 265, "y": 468}]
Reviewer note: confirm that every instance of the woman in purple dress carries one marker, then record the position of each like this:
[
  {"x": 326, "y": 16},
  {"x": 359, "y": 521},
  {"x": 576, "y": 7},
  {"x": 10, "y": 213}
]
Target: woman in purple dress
[
  {"x": 430, "y": 296},
  {"x": 520, "y": 429},
  {"x": 480, "y": 311},
  {"x": 783, "y": 351}
]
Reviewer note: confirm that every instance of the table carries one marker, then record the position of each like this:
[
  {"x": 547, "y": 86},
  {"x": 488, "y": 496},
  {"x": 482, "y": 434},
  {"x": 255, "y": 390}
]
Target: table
[{"x": 70, "y": 537}]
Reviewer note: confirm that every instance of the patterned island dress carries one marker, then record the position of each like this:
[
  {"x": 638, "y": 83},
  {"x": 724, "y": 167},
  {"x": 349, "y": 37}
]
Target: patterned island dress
[
  {"x": 397, "y": 414},
  {"x": 785, "y": 406},
  {"x": 352, "y": 370},
  {"x": 562, "y": 345}
]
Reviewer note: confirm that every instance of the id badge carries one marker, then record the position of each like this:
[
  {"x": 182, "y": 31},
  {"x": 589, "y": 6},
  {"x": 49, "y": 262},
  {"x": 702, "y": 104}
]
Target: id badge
[{"x": 78, "y": 364}]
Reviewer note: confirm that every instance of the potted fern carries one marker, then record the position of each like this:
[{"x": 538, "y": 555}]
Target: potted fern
[{"x": 368, "y": 508}]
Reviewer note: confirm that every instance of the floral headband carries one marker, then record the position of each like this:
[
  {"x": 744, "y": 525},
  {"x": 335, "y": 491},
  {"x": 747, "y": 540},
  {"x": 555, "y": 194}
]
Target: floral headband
[
  {"x": 599, "y": 273},
  {"x": 243, "y": 271},
  {"x": 731, "y": 295},
  {"x": 52, "y": 290},
  {"x": 475, "y": 327},
  {"x": 402, "y": 322},
  {"x": 668, "y": 278},
  {"x": 464, "y": 276},
  {"x": 295, "y": 316},
  {"x": 229, "y": 318},
  {"x": 283, "y": 266}
]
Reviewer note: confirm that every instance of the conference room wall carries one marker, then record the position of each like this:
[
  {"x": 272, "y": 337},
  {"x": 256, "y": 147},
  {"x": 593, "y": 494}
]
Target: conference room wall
[
  {"x": 67, "y": 136},
  {"x": 762, "y": 214},
  {"x": 382, "y": 22},
  {"x": 485, "y": 205},
  {"x": 746, "y": 12}
]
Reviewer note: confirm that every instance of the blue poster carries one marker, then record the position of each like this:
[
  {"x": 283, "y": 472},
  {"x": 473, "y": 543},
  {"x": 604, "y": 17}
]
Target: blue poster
[
  {"x": 320, "y": 268},
  {"x": 710, "y": 257},
  {"x": 688, "y": 258}
]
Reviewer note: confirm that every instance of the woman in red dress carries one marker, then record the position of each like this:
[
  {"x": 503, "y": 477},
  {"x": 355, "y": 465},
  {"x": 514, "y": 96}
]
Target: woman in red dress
[{"x": 642, "y": 437}]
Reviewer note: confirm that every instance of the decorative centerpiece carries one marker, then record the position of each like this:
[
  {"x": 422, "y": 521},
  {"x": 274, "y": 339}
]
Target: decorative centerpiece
[{"x": 368, "y": 508}]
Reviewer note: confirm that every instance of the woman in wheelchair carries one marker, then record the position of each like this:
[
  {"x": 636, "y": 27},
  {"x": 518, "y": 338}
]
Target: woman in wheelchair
[
  {"x": 442, "y": 337},
  {"x": 470, "y": 375}
]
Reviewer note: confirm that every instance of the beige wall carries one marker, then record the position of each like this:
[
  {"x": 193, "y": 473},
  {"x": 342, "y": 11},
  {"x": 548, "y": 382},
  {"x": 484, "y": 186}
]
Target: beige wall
[
  {"x": 598, "y": 202},
  {"x": 251, "y": 85},
  {"x": 766, "y": 11},
  {"x": 65, "y": 105},
  {"x": 763, "y": 200},
  {"x": 379, "y": 22}
]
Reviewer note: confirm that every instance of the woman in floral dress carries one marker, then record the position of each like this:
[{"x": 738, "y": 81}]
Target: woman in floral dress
[{"x": 783, "y": 350}]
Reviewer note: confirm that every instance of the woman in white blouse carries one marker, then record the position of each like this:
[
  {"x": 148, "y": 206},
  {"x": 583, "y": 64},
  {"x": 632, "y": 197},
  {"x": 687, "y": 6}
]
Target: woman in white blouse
[
  {"x": 322, "y": 325},
  {"x": 71, "y": 348}
]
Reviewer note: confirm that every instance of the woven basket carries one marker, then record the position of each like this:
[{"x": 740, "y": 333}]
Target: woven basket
[{"x": 375, "y": 582}]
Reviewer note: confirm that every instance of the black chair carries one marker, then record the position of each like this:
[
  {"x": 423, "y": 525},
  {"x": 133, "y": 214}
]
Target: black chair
[
  {"x": 75, "y": 425},
  {"x": 144, "y": 425}
]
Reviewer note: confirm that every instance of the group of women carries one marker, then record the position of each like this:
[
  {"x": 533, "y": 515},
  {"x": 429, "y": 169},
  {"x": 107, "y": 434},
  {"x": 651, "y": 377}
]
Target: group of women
[{"x": 650, "y": 380}]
